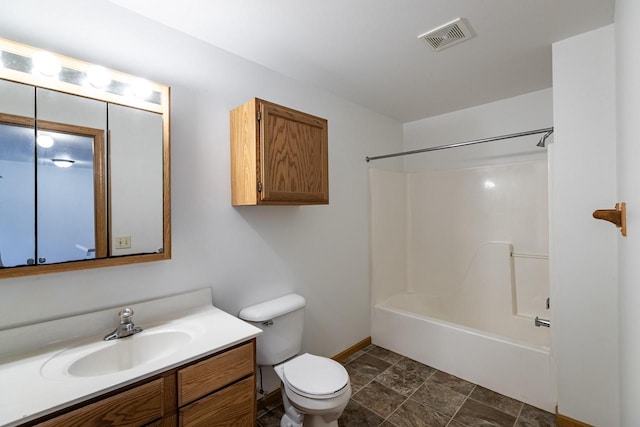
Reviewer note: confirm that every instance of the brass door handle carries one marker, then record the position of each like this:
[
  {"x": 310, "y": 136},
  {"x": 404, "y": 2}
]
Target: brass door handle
[{"x": 617, "y": 216}]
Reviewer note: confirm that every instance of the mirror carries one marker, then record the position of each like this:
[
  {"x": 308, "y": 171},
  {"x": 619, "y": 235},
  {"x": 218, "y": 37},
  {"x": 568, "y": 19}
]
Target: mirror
[{"x": 84, "y": 165}]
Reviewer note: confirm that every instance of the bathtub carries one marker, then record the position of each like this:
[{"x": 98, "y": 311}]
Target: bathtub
[{"x": 409, "y": 324}]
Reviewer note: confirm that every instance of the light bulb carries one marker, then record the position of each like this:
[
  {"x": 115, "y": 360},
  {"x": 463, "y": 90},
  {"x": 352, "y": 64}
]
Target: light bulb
[
  {"x": 98, "y": 76},
  {"x": 46, "y": 63},
  {"x": 141, "y": 88}
]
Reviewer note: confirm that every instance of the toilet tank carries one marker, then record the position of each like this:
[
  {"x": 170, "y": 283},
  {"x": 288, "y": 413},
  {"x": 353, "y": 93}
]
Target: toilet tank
[{"x": 282, "y": 322}]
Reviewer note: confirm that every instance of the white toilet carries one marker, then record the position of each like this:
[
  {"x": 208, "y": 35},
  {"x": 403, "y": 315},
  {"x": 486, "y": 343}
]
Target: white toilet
[{"x": 315, "y": 389}]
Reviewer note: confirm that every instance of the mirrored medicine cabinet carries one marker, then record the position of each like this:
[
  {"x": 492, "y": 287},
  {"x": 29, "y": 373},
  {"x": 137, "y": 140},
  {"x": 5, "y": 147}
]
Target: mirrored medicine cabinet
[{"x": 84, "y": 165}]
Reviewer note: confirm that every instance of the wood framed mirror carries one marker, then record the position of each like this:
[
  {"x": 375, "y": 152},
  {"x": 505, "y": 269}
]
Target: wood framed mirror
[{"x": 84, "y": 165}]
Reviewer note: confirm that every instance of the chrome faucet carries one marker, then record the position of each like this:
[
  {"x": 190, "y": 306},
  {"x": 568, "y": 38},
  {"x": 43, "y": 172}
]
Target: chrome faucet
[{"x": 126, "y": 326}]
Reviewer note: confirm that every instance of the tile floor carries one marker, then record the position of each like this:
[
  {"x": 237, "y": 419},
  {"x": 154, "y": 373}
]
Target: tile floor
[{"x": 390, "y": 390}]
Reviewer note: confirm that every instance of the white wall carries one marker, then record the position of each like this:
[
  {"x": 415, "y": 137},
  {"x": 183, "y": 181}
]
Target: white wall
[
  {"x": 583, "y": 250},
  {"x": 246, "y": 255},
  {"x": 627, "y": 34}
]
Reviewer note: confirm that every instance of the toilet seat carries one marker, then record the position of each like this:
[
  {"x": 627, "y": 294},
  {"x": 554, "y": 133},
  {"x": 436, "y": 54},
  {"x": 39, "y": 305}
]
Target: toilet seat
[{"x": 315, "y": 377}]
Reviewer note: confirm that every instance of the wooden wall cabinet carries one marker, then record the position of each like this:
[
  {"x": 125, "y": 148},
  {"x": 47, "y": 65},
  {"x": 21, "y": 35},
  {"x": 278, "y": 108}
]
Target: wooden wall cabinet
[
  {"x": 279, "y": 156},
  {"x": 218, "y": 390}
]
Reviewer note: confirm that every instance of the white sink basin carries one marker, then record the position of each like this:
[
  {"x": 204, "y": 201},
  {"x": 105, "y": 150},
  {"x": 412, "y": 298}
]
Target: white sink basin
[
  {"x": 127, "y": 353},
  {"x": 110, "y": 357}
]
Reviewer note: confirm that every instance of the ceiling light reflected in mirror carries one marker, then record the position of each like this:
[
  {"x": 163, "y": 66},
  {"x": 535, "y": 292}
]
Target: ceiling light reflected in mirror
[
  {"x": 45, "y": 141},
  {"x": 63, "y": 163}
]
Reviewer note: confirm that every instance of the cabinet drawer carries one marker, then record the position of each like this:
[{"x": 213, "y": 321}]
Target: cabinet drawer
[
  {"x": 232, "y": 406},
  {"x": 135, "y": 407},
  {"x": 209, "y": 375}
]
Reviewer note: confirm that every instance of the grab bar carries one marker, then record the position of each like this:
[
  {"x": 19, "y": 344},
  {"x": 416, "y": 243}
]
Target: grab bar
[
  {"x": 523, "y": 255},
  {"x": 542, "y": 322}
]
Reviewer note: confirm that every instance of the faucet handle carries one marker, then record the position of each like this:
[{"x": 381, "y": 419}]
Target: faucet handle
[{"x": 125, "y": 315}]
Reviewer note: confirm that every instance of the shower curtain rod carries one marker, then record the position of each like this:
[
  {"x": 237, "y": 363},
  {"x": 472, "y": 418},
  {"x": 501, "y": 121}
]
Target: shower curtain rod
[{"x": 462, "y": 144}]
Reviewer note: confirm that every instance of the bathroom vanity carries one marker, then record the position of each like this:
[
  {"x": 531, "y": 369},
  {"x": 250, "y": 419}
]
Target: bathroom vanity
[
  {"x": 193, "y": 364},
  {"x": 217, "y": 390}
]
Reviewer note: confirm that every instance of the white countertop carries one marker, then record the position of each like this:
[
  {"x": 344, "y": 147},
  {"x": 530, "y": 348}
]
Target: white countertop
[{"x": 27, "y": 391}]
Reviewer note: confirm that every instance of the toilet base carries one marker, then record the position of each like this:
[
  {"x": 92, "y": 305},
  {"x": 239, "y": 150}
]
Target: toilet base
[
  {"x": 309, "y": 421},
  {"x": 291, "y": 417},
  {"x": 294, "y": 418},
  {"x": 285, "y": 421}
]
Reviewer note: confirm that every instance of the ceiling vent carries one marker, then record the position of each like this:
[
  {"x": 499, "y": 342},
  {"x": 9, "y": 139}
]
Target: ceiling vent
[{"x": 448, "y": 34}]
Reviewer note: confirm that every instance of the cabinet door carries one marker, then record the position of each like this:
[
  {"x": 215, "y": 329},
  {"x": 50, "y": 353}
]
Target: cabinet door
[
  {"x": 294, "y": 157},
  {"x": 231, "y": 406},
  {"x": 135, "y": 407},
  {"x": 71, "y": 218},
  {"x": 136, "y": 180}
]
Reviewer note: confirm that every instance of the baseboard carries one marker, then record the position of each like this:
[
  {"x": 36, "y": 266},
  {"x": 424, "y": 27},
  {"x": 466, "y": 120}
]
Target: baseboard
[
  {"x": 273, "y": 396},
  {"x": 564, "y": 421},
  {"x": 352, "y": 350}
]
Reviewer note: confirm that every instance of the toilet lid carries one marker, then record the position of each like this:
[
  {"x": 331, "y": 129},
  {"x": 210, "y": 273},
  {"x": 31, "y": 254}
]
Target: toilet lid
[{"x": 315, "y": 376}]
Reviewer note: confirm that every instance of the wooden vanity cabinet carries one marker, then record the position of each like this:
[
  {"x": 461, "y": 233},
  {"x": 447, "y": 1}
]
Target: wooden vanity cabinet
[
  {"x": 218, "y": 390},
  {"x": 138, "y": 406},
  {"x": 209, "y": 395},
  {"x": 231, "y": 406},
  {"x": 279, "y": 156}
]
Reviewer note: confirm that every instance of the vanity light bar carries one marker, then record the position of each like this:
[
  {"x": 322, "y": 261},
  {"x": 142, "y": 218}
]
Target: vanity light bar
[{"x": 44, "y": 69}]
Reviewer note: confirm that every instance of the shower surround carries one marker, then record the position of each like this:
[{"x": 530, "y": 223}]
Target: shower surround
[{"x": 460, "y": 271}]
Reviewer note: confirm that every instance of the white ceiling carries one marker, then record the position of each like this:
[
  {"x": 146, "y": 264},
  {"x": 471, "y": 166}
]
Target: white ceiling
[{"x": 367, "y": 51}]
